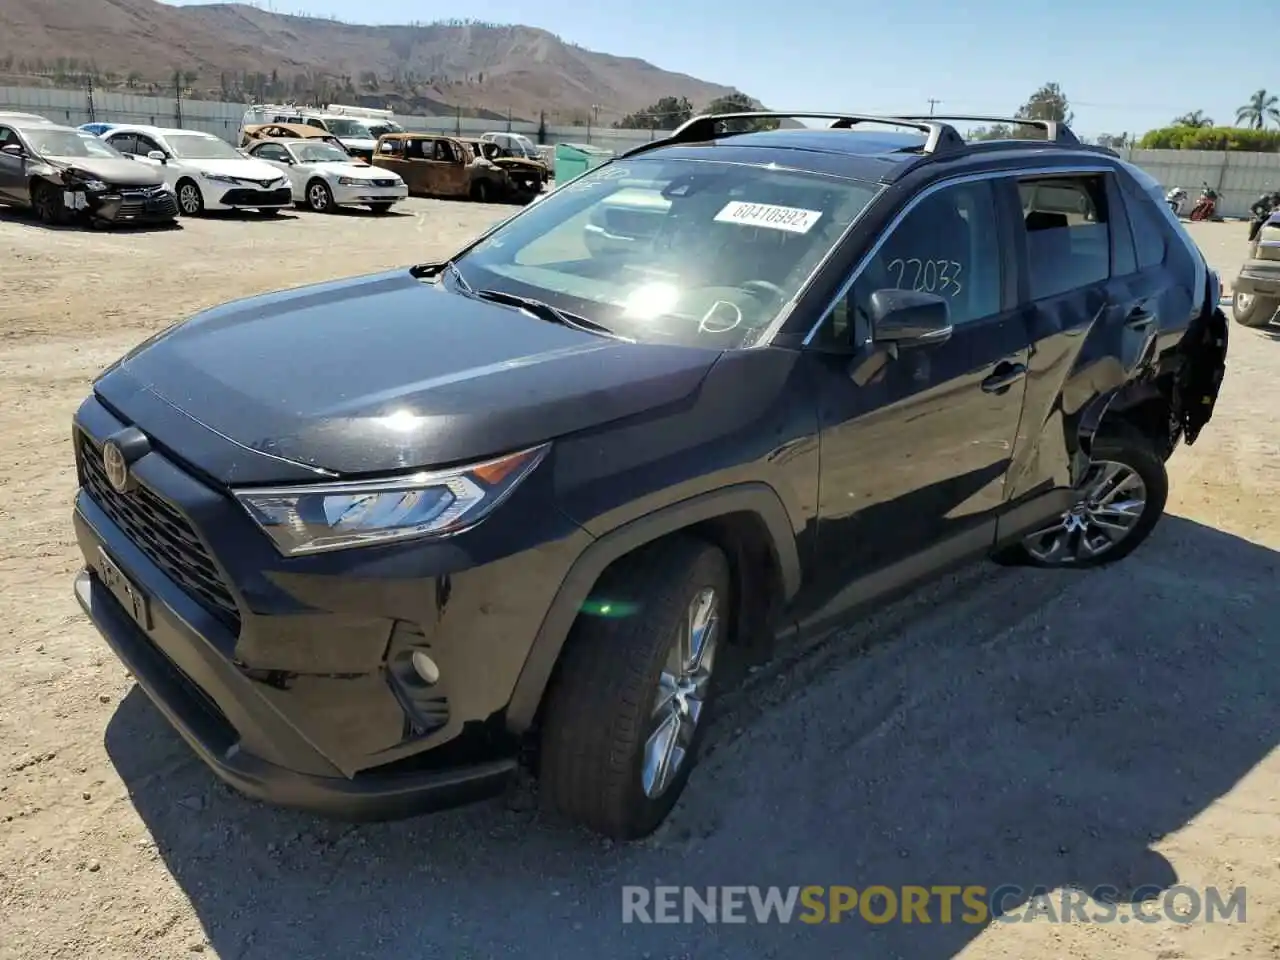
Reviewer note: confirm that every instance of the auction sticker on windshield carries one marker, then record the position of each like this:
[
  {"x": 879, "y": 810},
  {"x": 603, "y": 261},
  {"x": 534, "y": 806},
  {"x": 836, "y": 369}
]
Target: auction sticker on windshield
[{"x": 790, "y": 219}]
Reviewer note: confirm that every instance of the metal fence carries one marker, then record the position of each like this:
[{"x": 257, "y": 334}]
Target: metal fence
[{"x": 1239, "y": 178}]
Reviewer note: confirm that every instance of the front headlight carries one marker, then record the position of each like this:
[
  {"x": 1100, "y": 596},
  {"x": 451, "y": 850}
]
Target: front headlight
[
  {"x": 332, "y": 516},
  {"x": 353, "y": 182},
  {"x": 219, "y": 178},
  {"x": 94, "y": 185}
]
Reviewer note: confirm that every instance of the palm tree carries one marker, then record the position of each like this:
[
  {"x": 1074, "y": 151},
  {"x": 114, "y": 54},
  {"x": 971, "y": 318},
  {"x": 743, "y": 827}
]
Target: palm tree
[
  {"x": 1262, "y": 108},
  {"x": 1195, "y": 118}
]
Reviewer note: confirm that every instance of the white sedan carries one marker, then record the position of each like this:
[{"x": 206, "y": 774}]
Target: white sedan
[
  {"x": 206, "y": 173},
  {"x": 325, "y": 177}
]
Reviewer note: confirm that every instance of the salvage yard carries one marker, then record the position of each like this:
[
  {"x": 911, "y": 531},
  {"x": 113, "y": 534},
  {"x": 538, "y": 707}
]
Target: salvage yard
[{"x": 1001, "y": 727}]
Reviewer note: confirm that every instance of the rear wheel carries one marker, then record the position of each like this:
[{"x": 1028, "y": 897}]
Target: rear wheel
[
  {"x": 1251, "y": 310},
  {"x": 625, "y": 714},
  {"x": 1125, "y": 491}
]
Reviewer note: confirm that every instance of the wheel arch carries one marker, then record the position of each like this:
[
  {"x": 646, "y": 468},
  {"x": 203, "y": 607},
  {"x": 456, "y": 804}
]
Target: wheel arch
[{"x": 748, "y": 521}]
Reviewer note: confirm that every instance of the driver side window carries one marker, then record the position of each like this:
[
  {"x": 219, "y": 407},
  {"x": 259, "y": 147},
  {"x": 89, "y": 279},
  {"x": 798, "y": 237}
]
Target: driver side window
[{"x": 946, "y": 245}]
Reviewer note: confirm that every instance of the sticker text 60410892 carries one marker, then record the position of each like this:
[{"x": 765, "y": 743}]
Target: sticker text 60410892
[{"x": 927, "y": 276}]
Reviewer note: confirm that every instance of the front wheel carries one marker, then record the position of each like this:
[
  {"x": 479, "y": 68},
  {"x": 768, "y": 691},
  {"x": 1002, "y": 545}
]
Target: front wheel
[
  {"x": 320, "y": 197},
  {"x": 1251, "y": 310},
  {"x": 190, "y": 200},
  {"x": 625, "y": 714},
  {"x": 1125, "y": 490},
  {"x": 46, "y": 200}
]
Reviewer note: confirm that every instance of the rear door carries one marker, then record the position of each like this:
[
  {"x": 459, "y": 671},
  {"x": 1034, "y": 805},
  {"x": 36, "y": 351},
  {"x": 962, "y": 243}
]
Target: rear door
[{"x": 13, "y": 169}]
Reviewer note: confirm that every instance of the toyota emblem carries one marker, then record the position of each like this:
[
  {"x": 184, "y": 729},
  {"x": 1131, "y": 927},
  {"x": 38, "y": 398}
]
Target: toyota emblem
[{"x": 117, "y": 469}]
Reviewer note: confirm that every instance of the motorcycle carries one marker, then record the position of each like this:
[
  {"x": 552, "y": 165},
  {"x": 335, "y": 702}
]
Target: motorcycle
[
  {"x": 1207, "y": 205},
  {"x": 1176, "y": 198}
]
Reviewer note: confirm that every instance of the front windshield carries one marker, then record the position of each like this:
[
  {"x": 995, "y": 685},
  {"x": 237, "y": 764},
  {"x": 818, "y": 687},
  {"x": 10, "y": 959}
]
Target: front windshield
[
  {"x": 353, "y": 129},
  {"x": 70, "y": 143},
  {"x": 383, "y": 127},
  {"x": 320, "y": 153},
  {"x": 700, "y": 253},
  {"x": 194, "y": 146}
]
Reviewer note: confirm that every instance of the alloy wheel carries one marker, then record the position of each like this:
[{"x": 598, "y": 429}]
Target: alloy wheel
[
  {"x": 682, "y": 692},
  {"x": 189, "y": 199},
  {"x": 1115, "y": 499},
  {"x": 318, "y": 196}
]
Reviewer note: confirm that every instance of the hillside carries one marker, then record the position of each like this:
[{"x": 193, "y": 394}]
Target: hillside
[{"x": 233, "y": 51}]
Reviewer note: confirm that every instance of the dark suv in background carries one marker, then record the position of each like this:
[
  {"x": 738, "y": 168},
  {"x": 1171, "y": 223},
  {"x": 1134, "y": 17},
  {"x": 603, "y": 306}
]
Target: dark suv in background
[{"x": 372, "y": 544}]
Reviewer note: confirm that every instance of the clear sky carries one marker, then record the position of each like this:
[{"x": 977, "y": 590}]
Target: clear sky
[{"x": 1125, "y": 65}]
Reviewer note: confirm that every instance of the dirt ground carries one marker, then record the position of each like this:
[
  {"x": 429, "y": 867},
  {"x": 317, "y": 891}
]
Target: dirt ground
[{"x": 1001, "y": 726}]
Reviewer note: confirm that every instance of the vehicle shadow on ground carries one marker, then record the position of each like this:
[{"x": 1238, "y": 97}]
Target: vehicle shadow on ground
[
  {"x": 24, "y": 218},
  {"x": 251, "y": 216},
  {"x": 1000, "y": 727}
]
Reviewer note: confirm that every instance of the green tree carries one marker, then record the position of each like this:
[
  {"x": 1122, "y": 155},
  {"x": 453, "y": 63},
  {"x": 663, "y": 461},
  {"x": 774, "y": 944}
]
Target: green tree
[
  {"x": 1193, "y": 118},
  {"x": 739, "y": 103},
  {"x": 1262, "y": 108},
  {"x": 667, "y": 114},
  {"x": 1047, "y": 103}
]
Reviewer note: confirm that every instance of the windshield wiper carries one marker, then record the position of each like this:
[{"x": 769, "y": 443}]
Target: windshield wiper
[{"x": 545, "y": 311}]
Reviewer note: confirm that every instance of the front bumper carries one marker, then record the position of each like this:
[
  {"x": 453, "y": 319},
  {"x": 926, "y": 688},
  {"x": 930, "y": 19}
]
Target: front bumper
[
  {"x": 132, "y": 205},
  {"x": 355, "y": 196},
  {"x": 1259, "y": 277},
  {"x": 292, "y": 678},
  {"x": 254, "y": 198}
]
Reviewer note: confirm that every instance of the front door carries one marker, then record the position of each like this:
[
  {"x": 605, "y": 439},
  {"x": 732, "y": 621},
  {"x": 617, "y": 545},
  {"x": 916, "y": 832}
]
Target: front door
[{"x": 915, "y": 447}]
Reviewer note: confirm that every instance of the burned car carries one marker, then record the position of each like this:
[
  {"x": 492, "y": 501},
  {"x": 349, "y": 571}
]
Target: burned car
[
  {"x": 432, "y": 165},
  {"x": 288, "y": 131},
  {"x": 64, "y": 174},
  {"x": 520, "y": 147},
  {"x": 1256, "y": 292},
  {"x": 495, "y": 176}
]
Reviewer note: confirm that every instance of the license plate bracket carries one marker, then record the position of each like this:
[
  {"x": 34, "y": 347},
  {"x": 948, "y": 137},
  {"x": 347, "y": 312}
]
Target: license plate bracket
[{"x": 136, "y": 603}]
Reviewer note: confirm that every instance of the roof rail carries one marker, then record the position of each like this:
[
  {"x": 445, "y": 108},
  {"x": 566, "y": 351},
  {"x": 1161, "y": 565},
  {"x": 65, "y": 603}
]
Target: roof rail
[
  {"x": 939, "y": 135},
  {"x": 1055, "y": 132}
]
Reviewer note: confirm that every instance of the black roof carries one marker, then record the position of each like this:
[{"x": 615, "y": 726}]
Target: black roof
[{"x": 848, "y": 149}]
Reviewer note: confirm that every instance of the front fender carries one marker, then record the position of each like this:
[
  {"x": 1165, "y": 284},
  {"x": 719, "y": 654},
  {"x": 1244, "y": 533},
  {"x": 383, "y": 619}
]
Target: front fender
[{"x": 756, "y": 498}]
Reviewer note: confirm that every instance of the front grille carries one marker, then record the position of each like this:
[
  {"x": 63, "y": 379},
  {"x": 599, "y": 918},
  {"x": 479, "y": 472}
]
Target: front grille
[
  {"x": 162, "y": 533},
  {"x": 384, "y": 183},
  {"x": 137, "y": 204},
  {"x": 244, "y": 197}
]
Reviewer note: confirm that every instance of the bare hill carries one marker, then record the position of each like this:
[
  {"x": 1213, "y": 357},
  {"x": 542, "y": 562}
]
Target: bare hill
[{"x": 233, "y": 50}]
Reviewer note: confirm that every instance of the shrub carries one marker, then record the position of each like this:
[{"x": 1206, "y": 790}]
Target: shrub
[{"x": 1212, "y": 138}]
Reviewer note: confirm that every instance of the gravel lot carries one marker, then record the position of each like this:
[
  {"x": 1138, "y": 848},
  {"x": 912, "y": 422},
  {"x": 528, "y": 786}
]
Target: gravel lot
[{"x": 998, "y": 727}]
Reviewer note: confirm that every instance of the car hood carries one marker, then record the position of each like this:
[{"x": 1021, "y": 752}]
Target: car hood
[
  {"x": 518, "y": 163},
  {"x": 380, "y": 374},
  {"x": 362, "y": 171},
  {"x": 117, "y": 172},
  {"x": 244, "y": 168},
  {"x": 357, "y": 143}
]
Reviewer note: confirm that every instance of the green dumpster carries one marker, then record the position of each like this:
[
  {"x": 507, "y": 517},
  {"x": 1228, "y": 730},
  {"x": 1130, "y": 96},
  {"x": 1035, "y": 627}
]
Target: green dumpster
[{"x": 575, "y": 159}]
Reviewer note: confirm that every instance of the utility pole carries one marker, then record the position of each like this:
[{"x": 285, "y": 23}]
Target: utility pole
[
  {"x": 933, "y": 103},
  {"x": 177, "y": 96},
  {"x": 89, "y": 96}
]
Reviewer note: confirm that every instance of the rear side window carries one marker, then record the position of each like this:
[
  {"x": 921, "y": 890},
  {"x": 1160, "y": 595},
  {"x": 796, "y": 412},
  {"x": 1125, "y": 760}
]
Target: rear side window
[
  {"x": 1148, "y": 232},
  {"x": 1068, "y": 240},
  {"x": 124, "y": 142}
]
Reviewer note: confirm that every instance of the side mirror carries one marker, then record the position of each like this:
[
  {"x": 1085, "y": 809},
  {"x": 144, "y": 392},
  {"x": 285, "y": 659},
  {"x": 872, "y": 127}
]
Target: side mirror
[
  {"x": 909, "y": 318},
  {"x": 13, "y": 150},
  {"x": 157, "y": 155}
]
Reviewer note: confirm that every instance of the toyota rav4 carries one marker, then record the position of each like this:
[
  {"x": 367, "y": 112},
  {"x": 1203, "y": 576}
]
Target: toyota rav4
[{"x": 373, "y": 545}]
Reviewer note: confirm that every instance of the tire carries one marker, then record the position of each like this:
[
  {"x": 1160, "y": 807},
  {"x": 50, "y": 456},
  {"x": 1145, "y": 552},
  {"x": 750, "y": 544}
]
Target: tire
[
  {"x": 320, "y": 197},
  {"x": 480, "y": 191},
  {"x": 190, "y": 199},
  {"x": 1251, "y": 310},
  {"x": 46, "y": 201},
  {"x": 1119, "y": 446},
  {"x": 601, "y": 711},
  {"x": 380, "y": 208}
]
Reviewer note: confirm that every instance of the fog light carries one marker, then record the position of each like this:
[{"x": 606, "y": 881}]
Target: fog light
[{"x": 425, "y": 667}]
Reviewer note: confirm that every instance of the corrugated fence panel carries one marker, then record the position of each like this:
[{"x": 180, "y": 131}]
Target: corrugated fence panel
[{"x": 1240, "y": 178}]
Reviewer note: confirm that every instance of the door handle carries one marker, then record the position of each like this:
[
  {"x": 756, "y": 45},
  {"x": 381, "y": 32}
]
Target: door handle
[{"x": 1003, "y": 377}]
